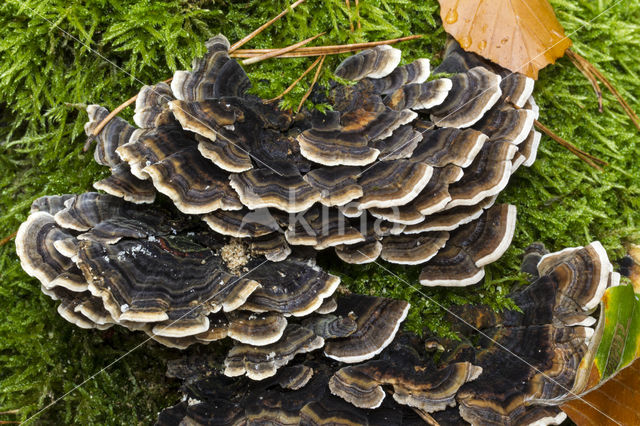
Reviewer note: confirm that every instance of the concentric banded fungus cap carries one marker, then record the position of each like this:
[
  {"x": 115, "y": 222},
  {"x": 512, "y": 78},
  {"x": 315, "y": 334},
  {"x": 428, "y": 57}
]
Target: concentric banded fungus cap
[
  {"x": 378, "y": 322},
  {"x": 337, "y": 185},
  {"x": 152, "y": 104},
  {"x": 360, "y": 253},
  {"x": 116, "y": 133},
  {"x": 256, "y": 329},
  {"x": 264, "y": 188},
  {"x": 538, "y": 333},
  {"x": 449, "y": 220},
  {"x": 412, "y": 249},
  {"x": 416, "y": 382},
  {"x": 393, "y": 183},
  {"x": 472, "y": 94},
  {"x": 416, "y": 72},
  {"x": 471, "y": 247},
  {"x": 486, "y": 176},
  {"x": 35, "y": 248},
  {"x": 242, "y": 223},
  {"x": 213, "y": 76},
  {"x": 292, "y": 287},
  {"x": 322, "y": 228},
  {"x": 443, "y": 146},
  {"x": 506, "y": 123},
  {"x": 194, "y": 185},
  {"x": 260, "y": 362},
  {"x": 51, "y": 204},
  {"x": 373, "y": 63},
  {"x": 420, "y": 96}
]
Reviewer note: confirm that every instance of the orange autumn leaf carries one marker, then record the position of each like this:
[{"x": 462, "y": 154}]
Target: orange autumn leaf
[
  {"x": 521, "y": 35},
  {"x": 619, "y": 398}
]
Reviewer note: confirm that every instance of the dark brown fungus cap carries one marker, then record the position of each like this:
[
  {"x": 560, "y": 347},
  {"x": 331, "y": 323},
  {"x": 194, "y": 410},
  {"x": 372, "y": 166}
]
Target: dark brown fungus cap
[
  {"x": 256, "y": 329},
  {"x": 486, "y": 176},
  {"x": 412, "y": 249},
  {"x": 194, "y": 185},
  {"x": 365, "y": 252},
  {"x": 420, "y": 96},
  {"x": 471, "y": 247},
  {"x": 260, "y": 362},
  {"x": 35, "y": 248},
  {"x": 400, "y": 144},
  {"x": 108, "y": 218},
  {"x": 331, "y": 326},
  {"x": 225, "y": 153},
  {"x": 261, "y": 188},
  {"x": 242, "y": 223},
  {"x": 506, "y": 123},
  {"x": 154, "y": 278},
  {"x": 273, "y": 247},
  {"x": 153, "y": 145},
  {"x": 415, "y": 383},
  {"x": 529, "y": 148},
  {"x": 416, "y": 72},
  {"x": 337, "y": 185},
  {"x": 393, "y": 183},
  {"x": 451, "y": 219},
  {"x": 378, "y": 322},
  {"x": 295, "y": 377},
  {"x": 373, "y": 63},
  {"x": 443, "y": 146},
  {"x": 322, "y": 227},
  {"x": 472, "y": 94},
  {"x": 152, "y": 105},
  {"x": 213, "y": 76},
  {"x": 51, "y": 204},
  {"x": 125, "y": 185},
  {"x": 545, "y": 350},
  {"x": 292, "y": 287},
  {"x": 117, "y": 132}
]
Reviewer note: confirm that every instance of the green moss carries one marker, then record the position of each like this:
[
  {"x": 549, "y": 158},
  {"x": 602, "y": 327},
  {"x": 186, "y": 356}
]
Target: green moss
[{"x": 560, "y": 200}]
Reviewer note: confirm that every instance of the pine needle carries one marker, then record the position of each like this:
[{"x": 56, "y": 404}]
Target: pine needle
[
  {"x": 322, "y": 50},
  {"x": 592, "y": 79},
  {"x": 288, "y": 89},
  {"x": 262, "y": 27},
  {"x": 4, "y": 241},
  {"x": 584, "y": 156},
  {"x": 575, "y": 57},
  {"x": 315, "y": 78},
  {"x": 279, "y": 52}
]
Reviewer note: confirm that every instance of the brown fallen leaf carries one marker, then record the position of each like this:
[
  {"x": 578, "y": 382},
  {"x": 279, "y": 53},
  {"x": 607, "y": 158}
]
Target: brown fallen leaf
[
  {"x": 521, "y": 35},
  {"x": 619, "y": 397}
]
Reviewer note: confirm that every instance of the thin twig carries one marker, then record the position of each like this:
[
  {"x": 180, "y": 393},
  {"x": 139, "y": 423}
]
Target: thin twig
[
  {"x": 16, "y": 411},
  {"x": 632, "y": 115},
  {"x": 241, "y": 42},
  {"x": 592, "y": 79},
  {"x": 321, "y": 50},
  {"x": 358, "y": 14},
  {"x": 348, "y": 4},
  {"x": 279, "y": 52},
  {"x": 4, "y": 241},
  {"x": 315, "y": 78},
  {"x": 288, "y": 89},
  {"x": 584, "y": 156}
]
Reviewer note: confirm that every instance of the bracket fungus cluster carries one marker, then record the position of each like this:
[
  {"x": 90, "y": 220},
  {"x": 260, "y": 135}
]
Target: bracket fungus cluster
[
  {"x": 110, "y": 262},
  {"x": 524, "y": 366},
  {"x": 401, "y": 169}
]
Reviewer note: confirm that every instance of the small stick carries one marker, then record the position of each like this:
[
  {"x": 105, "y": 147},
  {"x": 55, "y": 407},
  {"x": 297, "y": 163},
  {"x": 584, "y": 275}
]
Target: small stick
[
  {"x": 358, "y": 14},
  {"x": 288, "y": 89},
  {"x": 315, "y": 78},
  {"x": 4, "y": 241},
  {"x": 278, "y": 52},
  {"x": 592, "y": 79},
  {"x": 16, "y": 411},
  {"x": 321, "y": 50},
  {"x": 241, "y": 42},
  {"x": 584, "y": 156},
  {"x": 348, "y": 4},
  {"x": 632, "y": 115}
]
